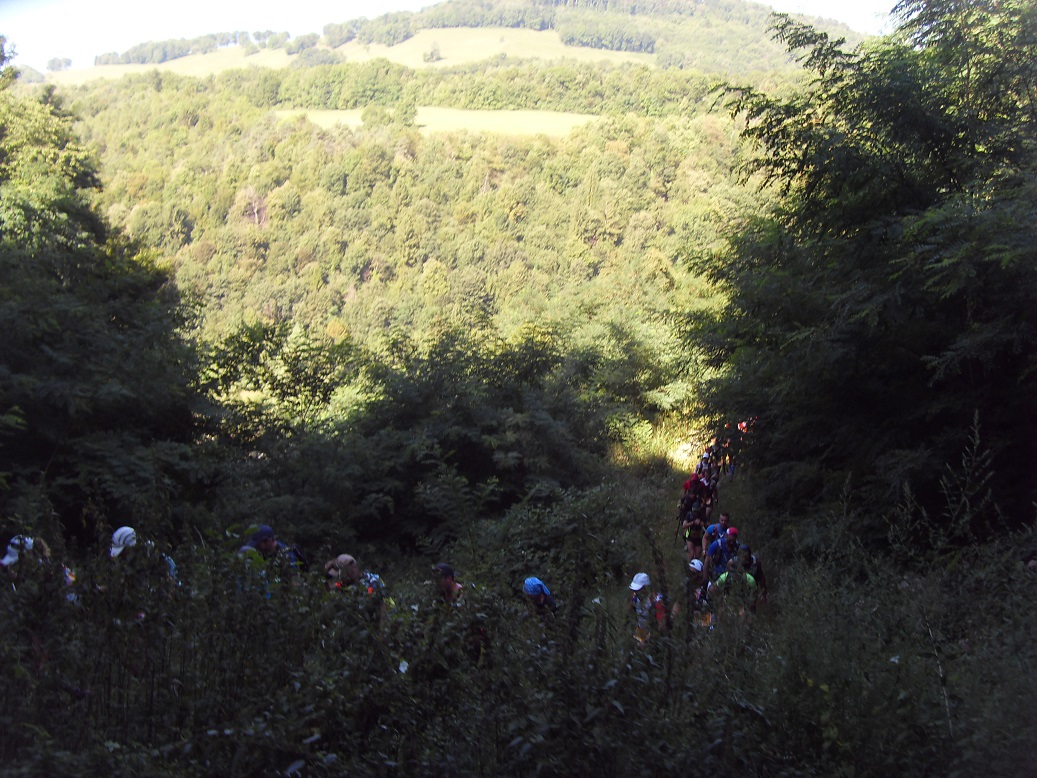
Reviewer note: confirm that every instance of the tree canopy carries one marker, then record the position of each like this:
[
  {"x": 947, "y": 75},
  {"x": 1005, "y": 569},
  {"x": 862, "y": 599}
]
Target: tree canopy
[
  {"x": 884, "y": 307},
  {"x": 93, "y": 393}
]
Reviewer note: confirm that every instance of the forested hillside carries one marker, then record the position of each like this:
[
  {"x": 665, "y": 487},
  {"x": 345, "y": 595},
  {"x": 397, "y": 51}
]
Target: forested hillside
[
  {"x": 353, "y": 231},
  {"x": 506, "y": 351},
  {"x": 717, "y": 37},
  {"x": 383, "y": 245}
]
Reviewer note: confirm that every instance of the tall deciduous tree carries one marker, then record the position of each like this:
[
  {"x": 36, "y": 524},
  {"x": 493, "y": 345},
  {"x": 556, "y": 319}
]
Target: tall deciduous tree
[
  {"x": 888, "y": 299},
  {"x": 92, "y": 394}
]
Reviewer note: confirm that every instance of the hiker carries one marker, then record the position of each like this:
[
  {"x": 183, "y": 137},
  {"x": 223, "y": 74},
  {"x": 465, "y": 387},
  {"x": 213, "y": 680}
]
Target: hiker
[
  {"x": 343, "y": 571},
  {"x": 696, "y": 582},
  {"x": 447, "y": 586},
  {"x": 125, "y": 538},
  {"x": 18, "y": 545},
  {"x": 265, "y": 550},
  {"x": 475, "y": 638},
  {"x": 734, "y": 589},
  {"x": 343, "y": 574},
  {"x": 689, "y": 502},
  {"x": 710, "y": 496},
  {"x": 715, "y": 531},
  {"x": 703, "y": 466},
  {"x": 138, "y": 589},
  {"x": 729, "y": 457},
  {"x": 40, "y": 589},
  {"x": 694, "y": 528},
  {"x": 692, "y": 489},
  {"x": 750, "y": 563},
  {"x": 539, "y": 595},
  {"x": 22, "y": 551},
  {"x": 721, "y": 552},
  {"x": 649, "y": 608},
  {"x": 138, "y": 579},
  {"x": 23, "y": 546}
]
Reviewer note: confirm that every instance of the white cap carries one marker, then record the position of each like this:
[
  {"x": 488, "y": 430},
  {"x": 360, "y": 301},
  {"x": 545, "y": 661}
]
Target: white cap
[
  {"x": 18, "y": 544},
  {"x": 641, "y": 580},
  {"x": 123, "y": 538},
  {"x": 695, "y": 564}
]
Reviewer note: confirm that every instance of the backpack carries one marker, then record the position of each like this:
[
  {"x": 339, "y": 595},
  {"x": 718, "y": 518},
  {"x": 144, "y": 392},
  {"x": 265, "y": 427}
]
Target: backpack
[{"x": 299, "y": 559}]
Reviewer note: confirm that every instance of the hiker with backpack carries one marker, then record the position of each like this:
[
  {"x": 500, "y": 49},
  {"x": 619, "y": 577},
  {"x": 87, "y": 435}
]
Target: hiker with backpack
[
  {"x": 539, "y": 595},
  {"x": 693, "y": 528},
  {"x": 715, "y": 532},
  {"x": 749, "y": 563},
  {"x": 124, "y": 546},
  {"x": 721, "y": 553},
  {"x": 343, "y": 575},
  {"x": 650, "y": 609},
  {"x": 23, "y": 552},
  {"x": 734, "y": 591},
  {"x": 697, "y": 587},
  {"x": 272, "y": 560}
]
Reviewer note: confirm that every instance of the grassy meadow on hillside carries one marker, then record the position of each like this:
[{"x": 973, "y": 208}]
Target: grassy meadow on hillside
[
  {"x": 196, "y": 66},
  {"x": 459, "y": 46},
  {"x": 433, "y": 119}
]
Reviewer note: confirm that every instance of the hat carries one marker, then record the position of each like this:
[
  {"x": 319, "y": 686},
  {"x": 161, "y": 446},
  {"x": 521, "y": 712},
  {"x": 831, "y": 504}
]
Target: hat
[
  {"x": 534, "y": 586},
  {"x": 18, "y": 544},
  {"x": 338, "y": 563},
  {"x": 640, "y": 581},
  {"x": 443, "y": 569},
  {"x": 695, "y": 564},
  {"x": 732, "y": 532},
  {"x": 264, "y": 532},
  {"x": 123, "y": 538}
]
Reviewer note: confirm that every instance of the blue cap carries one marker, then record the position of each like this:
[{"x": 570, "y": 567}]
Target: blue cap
[
  {"x": 264, "y": 532},
  {"x": 534, "y": 586}
]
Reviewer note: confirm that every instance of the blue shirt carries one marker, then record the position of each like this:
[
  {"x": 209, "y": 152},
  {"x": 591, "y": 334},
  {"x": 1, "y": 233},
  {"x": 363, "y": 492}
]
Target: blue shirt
[{"x": 721, "y": 553}]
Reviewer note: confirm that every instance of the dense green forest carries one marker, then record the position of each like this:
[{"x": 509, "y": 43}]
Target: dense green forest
[{"x": 506, "y": 351}]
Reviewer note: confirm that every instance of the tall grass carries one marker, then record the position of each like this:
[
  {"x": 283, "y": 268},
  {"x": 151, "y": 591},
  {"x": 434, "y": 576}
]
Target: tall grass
[{"x": 861, "y": 666}]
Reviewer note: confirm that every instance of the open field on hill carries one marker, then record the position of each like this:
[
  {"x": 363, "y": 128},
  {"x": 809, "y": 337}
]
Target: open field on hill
[
  {"x": 461, "y": 45},
  {"x": 457, "y": 46},
  {"x": 431, "y": 119},
  {"x": 198, "y": 65}
]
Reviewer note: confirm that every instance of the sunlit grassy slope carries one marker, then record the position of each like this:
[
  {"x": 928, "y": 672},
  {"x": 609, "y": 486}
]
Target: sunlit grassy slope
[
  {"x": 460, "y": 45},
  {"x": 431, "y": 119},
  {"x": 457, "y": 46}
]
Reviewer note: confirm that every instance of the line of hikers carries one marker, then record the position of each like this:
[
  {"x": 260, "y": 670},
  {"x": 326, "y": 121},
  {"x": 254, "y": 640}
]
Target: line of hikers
[
  {"x": 718, "y": 564},
  {"x": 269, "y": 562},
  {"x": 721, "y": 569}
]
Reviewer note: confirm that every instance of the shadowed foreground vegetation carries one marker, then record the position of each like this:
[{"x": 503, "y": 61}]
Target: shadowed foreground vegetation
[{"x": 858, "y": 666}]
